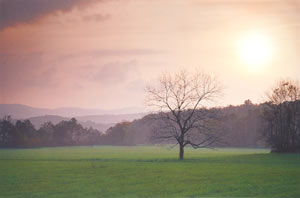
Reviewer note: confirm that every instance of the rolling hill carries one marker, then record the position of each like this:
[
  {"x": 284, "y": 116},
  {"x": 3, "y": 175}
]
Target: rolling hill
[
  {"x": 95, "y": 118},
  {"x": 19, "y": 111}
]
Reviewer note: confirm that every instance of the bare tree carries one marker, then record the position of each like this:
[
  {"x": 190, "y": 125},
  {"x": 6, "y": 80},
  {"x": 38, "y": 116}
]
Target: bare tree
[
  {"x": 182, "y": 117},
  {"x": 282, "y": 117}
]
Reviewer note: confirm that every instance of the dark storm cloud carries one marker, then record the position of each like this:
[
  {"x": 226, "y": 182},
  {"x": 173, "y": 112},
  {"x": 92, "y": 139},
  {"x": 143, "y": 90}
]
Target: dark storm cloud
[{"x": 13, "y": 12}]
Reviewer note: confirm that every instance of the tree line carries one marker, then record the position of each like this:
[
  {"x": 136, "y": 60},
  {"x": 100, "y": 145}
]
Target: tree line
[
  {"x": 243, "y": 125},
  {"x": 180, "y": 99},
  {"x": 281, "y": 115},
  {"x": 22, "y": 133},
  {"x": 239, "y": 126},
  {"x": 181, "y": 118}
]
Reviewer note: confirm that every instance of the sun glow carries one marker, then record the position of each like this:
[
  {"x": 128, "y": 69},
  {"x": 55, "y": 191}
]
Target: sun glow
[{"x": 255, "y": 50}]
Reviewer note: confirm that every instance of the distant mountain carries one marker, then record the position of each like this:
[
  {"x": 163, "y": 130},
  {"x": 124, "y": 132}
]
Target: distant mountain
[
  {"x": 111, "y": 118},
  {"x": 95, "y": 118},
  {"x": 19, "y": 111},
  {"x": 76, "y": 112},
  {"x": 100, "y": 126},
  {"x": 39, "y": 120}
]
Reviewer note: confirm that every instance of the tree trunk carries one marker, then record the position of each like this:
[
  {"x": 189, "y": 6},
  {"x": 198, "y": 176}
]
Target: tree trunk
[{"x": 181, "y": 152}]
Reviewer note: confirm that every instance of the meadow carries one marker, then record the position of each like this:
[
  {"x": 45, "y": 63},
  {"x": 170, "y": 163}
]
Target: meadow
[{"x": 142, "y": 171}]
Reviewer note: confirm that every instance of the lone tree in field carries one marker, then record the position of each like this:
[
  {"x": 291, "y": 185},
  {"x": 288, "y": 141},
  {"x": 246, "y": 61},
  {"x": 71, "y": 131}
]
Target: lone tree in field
[
  {"x": 182, "y": 117},
  {"x": 282, "y": 117}
]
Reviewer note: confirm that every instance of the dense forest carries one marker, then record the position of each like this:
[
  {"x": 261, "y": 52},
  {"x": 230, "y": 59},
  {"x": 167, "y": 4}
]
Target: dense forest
[{"x": 240, "y": 126}]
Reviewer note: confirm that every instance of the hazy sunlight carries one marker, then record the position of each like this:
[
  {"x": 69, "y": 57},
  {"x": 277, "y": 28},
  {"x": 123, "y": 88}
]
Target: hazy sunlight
[{"x": 255, "y": 50}]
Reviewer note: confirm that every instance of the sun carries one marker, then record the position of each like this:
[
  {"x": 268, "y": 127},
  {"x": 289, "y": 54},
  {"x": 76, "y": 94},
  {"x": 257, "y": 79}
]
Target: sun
[{"x": 255, "y": 50}]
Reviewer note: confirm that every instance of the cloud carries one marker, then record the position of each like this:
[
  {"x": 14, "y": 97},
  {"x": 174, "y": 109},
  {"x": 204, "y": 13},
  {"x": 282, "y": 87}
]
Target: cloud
[
  {"x": 115, "y": 72},
  {"x": 110, "y": 53},
  {"x": 19, "y": 72},
  {"x": 125, "y": 52},
  {"x": 236, "y": 2},
  {"x": 13, "y": 12},
  {"x": 96, "y": 17}
]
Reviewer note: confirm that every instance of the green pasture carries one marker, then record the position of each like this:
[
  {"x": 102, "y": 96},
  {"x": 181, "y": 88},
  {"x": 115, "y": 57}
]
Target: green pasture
[{"x": 104, "y": 171}]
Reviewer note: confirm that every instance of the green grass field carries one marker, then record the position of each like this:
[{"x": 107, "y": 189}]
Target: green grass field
[{"x": 101, "y": 171}]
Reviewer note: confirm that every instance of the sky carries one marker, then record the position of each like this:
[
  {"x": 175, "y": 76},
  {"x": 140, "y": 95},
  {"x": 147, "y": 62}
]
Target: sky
[{"x": 102, "y": 53}]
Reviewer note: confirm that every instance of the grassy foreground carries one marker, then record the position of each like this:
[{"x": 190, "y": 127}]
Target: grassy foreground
[{"x": 101, "y": 171}]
